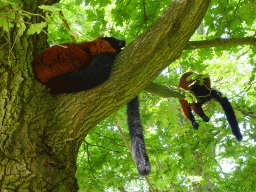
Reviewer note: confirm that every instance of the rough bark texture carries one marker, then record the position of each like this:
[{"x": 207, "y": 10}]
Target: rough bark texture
[{"x": 40, "y": 134}]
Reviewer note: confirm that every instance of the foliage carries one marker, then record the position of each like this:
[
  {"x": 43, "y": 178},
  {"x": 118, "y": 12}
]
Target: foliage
[{"x": 182, "y": 159}]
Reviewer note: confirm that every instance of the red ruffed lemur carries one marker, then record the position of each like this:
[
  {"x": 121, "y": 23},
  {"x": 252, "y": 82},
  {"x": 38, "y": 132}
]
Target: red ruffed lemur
[
  {"x": 204, "y": 91},
  {"x": 83, "y": 66}
]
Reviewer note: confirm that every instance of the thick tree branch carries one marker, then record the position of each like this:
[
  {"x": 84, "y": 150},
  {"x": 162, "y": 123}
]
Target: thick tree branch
[{"x": 134, "y": 68}]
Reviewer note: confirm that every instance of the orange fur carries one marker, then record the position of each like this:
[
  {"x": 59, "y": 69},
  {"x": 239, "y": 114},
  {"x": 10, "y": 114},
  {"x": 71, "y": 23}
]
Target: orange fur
[
  {"x": 197, "y": 107},
  {"x": 58, "y": 60}
]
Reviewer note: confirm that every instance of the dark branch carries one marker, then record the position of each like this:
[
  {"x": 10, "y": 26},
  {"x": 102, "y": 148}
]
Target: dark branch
[{"x": 220, "y": 42}]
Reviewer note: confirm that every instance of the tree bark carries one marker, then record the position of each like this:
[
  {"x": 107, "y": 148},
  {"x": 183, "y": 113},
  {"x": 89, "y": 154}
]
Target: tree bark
[{"x": 41, "y": 134}]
